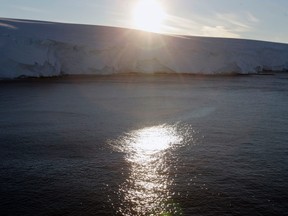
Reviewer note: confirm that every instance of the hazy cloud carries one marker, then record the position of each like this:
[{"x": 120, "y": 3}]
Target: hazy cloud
[
  {"x": 252, "y": 18},
  {"x": 218, "y": 31},
  {"x": 231, "y": 25},
  {"x": 234, "y": 21},
  {"x": 180, "y": 25},
  {"x": 28, "y": 9}
]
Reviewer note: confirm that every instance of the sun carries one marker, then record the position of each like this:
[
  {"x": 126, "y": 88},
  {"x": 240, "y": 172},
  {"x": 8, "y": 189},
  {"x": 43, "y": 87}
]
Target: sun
[{"x": 148, "y": 15}]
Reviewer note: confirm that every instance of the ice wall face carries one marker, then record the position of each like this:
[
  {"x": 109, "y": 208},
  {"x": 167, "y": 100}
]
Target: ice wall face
[{"x": 33, "y": 48}]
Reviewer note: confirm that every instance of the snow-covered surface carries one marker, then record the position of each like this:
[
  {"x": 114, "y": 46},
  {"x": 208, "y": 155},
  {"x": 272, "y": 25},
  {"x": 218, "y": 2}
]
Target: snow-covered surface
[{"x": 40, "y": 49}]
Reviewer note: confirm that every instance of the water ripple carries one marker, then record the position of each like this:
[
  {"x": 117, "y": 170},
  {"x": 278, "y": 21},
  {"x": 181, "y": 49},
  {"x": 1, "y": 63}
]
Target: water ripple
[{"x": 147, "y": 189}]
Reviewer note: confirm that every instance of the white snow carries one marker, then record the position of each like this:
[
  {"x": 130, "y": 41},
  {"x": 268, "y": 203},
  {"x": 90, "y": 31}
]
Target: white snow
[{"x": 42, "y": 49}]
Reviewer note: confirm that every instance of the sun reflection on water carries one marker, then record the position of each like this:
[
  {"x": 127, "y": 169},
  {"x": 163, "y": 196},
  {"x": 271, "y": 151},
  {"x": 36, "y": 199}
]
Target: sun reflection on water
[{"x": 147, "y": 190}]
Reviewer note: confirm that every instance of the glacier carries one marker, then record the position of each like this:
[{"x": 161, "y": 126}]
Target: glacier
[{"x": 44, "y": 49}]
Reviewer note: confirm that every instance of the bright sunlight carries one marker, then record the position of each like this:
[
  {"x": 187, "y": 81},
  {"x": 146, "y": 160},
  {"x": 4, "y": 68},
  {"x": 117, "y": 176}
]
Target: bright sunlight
[{"x": 148, "y": 15}]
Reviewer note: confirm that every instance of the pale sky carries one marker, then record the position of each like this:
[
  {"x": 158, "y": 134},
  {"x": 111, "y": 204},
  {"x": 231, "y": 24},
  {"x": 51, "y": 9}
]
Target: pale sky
[{"x": 251, "y": 19}]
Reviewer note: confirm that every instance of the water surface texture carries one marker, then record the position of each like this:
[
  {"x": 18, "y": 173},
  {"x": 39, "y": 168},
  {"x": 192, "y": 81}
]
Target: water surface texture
[{"x": 144, "y": 145}]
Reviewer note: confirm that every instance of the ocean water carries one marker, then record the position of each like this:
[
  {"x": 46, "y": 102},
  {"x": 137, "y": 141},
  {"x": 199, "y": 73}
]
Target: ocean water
[{"x": 144, "y": 145}]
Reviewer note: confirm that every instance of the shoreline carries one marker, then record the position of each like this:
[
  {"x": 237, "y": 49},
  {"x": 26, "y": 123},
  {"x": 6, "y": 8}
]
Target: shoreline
[{"x": 98, "y": 77}]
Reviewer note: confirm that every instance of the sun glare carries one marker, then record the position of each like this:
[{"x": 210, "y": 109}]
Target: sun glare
[
  {"x": 148, "y": 15},
  {"x": 148, "y": 188}
]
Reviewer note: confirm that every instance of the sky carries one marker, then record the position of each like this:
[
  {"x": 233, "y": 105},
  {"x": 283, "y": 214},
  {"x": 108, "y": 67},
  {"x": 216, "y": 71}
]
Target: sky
[{"x": 250, "y": 19}]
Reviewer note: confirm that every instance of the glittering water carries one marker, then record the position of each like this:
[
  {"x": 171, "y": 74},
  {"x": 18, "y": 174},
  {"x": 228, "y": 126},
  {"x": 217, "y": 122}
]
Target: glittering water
[
  {"x": 147, "y": 188},
  {"x": 144, "y": 145}
]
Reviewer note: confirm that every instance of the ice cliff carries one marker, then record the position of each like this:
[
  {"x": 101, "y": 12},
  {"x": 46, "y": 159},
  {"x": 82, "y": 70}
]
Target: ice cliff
[{"x": 42, "y": 49}]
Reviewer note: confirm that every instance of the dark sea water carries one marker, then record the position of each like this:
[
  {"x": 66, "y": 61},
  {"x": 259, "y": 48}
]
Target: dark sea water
[{"x": 144, "y": 145}]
